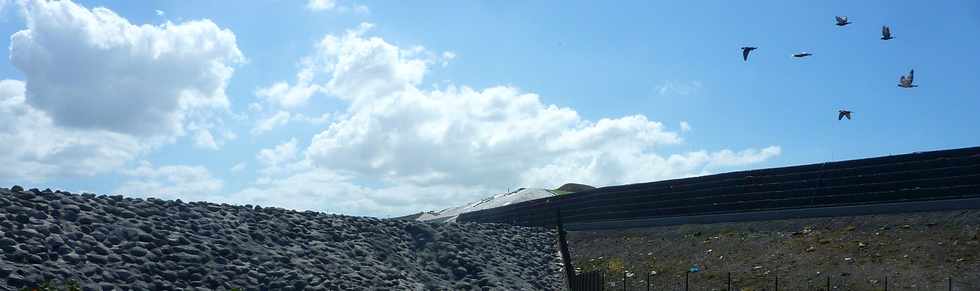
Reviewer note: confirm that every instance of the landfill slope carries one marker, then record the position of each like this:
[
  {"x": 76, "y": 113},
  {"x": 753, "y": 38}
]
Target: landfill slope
[
  {"x": 117, "y": 242},
  {"x": 915, "y": 251}
]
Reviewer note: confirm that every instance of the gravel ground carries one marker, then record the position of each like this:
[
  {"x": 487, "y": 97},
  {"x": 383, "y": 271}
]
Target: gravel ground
[
  {"x": 114, "y": 242},
  {"x": 916, "y": 251}
]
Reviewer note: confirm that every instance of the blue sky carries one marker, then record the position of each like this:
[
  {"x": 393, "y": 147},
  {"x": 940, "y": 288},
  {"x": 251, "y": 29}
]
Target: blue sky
[{"x": 401, "y": 134}]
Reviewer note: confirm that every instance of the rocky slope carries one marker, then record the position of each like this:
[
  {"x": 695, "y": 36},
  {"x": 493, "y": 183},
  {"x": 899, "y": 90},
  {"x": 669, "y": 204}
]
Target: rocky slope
[
  {"x": 151, "y": 244},
  {"x": 917, "y": 251}
]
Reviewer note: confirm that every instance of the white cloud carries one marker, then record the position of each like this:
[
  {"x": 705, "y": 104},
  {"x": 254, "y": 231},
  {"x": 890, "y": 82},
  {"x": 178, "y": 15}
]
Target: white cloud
[
  {"x": 205, "y": 140},
  {"x": 361, "y": 9},
  {"x": 286, "y": 96},
  {"x": 271, "y": 122},
  {"x": 678, "y": 88},
  {"x": 254, "y": 107},
  {"x": 728, "y": 158},
  {"x": 446, "y": 57},
  {"x": 281, "y": 153},
  {"x": 427, "y": 149},
  {"x": 685, "y": 126},
  {"x": 160, "y": 12},
  {"x": 322, "y": 119},
  {"x": 320, "y": 5},
  {"x": 192, "y": 183},
  {"x": 93, "y": 69},
  {"x": 35, "y": 149},
  {"x": 239, "y": 167}
]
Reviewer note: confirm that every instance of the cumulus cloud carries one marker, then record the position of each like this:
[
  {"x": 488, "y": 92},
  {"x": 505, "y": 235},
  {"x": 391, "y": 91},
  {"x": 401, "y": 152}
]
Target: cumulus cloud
[
  {"x": 239, "y": 167},
  {"x": 288, "y": 96},
  {"x": 35, "y": 149},
  {"x": 429, "y": 149},
  {"x": 271, "y": 122},
  {"x": 205, "y": 140},
  {"x": 192, "y": 183},
  {"x": 320, "y": 5},
  {"x": 93, "y": 69},
  {"x": 446, "y": 57},
  {"x": 322, "y": 119},
  {"x": 679, "y": 88},
  {"x": 362, "y": 9},
  {"x": 281, "y": 153},
  {"x": 685, "y": 126}
]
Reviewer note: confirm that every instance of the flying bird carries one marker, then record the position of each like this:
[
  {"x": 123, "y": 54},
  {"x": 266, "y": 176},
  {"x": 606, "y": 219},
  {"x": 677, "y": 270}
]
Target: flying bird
[
  {"x": 745, "y": 52},
  {"x": 886, "y": 33},
  {"x": 906, "y": 81},
  {"x": 801, "y": 55},
  {"x": 843, "y": 113},
  {"x": 842, "y": 20}
]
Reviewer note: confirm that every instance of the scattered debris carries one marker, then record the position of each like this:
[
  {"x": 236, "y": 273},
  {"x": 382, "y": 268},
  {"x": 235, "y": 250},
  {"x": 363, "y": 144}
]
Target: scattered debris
[
  {"x": 849, "y": 259},
  {"x": 811, "y": 249}
]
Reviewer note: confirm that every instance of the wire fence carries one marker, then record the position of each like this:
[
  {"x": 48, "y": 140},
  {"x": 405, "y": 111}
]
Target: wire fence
[{"x": 715, "y": 281}]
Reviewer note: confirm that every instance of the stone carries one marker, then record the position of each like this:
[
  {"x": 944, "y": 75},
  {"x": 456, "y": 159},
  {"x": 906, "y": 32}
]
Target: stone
[
  {"x": 39, "y": 215},
  {"x": 73, "y": 258},
  {"x": 7, "y": 242},
  {"x": 54, "y": 241},
  {"x": 96, "y": 258},
  {"x": 22, "y": 218},
  {"x": 138, "y": 251},
  {"x": 17, "y": 188},
  {"x": 86, "y": 219},
  {"x": 124, "y": 275}
]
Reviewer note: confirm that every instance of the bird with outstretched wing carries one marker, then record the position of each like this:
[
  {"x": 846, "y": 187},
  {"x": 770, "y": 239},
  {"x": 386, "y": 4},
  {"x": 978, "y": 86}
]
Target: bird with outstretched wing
[{"x": 745, "y": 52}]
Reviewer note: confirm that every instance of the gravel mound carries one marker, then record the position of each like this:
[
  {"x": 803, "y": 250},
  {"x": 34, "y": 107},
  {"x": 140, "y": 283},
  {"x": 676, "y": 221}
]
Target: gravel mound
[
  {"x": 574, "y": 187},
  {"x": 107, "y": 242},
  {"x": 503, "y": 199}
]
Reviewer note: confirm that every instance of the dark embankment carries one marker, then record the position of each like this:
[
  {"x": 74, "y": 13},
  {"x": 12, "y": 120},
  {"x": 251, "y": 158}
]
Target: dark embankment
[{"x": 150, "y": 244}]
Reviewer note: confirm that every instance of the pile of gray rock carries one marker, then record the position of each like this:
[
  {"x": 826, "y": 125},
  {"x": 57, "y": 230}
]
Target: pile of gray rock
[{"x": 115, "y": 242}]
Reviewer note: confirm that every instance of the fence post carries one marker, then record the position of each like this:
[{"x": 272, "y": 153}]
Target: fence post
[
  {"x": 624, "y": 279},
  {"x": 777, "y": 282},
  {"x": 886, "y": 283},
  {"x": 828, "y": 282},
  {"x": 648, "y": 281},
  {"x": 729, "y": 281},
  {"x": 687, "y": 280},
  {"x": 566, "y": 258},
  {"x": 949, "y": 283}
]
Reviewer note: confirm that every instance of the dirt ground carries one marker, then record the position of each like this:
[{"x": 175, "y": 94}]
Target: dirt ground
[{"x": 919, "y": 251}]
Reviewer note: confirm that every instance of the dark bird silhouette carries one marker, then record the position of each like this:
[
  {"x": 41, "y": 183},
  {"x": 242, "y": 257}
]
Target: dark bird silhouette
[
  {"x": 906, "y": 81},
  {"x": 801, "y": 55},
  {"x": 843, "y": 113},
  {"x": 842, "y": 20},
  {"x": 886, "y": 33},
  {"x": 745, "y": 52}
]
